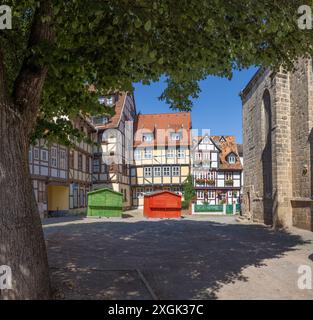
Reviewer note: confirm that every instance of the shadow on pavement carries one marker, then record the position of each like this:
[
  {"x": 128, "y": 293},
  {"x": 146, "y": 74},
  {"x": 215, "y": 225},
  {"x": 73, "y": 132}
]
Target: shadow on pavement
[{"x": 179, "y": 259}]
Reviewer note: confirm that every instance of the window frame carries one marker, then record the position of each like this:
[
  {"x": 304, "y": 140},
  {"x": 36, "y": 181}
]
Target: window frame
[
  {"x": 54, "y": 157},
  {"x": 137, "y": 154},
  {"x": 231, "y": 158},
  {"x": 175, "y": 171},
  {"x": 147, "y": 137},
  {"x": 166, "y": 170},
  {"x": 63, "y": 159},
  {"x": 181, "y": 153},
  {"x": 145, "y": 170},
  {"x": 157, "y": 171},
  {"x": 148, "y": 151},
  {"x": 171, "y": 153},
  {"x": 176, "y": 136}
]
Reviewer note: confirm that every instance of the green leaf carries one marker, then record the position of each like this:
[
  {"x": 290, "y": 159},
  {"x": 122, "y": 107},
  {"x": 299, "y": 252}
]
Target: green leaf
[
  {"x": 138, "y": 23},
  {"x": 148, "y": 25},
  {"x": 161, "y": 61}
]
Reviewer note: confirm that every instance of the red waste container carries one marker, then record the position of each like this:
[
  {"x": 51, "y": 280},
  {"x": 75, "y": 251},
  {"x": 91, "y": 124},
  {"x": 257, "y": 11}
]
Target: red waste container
[{"x": 162, "y": 204}]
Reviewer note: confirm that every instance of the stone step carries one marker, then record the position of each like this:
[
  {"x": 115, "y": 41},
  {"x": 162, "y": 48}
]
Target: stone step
[{"x": 243, "y": 218}]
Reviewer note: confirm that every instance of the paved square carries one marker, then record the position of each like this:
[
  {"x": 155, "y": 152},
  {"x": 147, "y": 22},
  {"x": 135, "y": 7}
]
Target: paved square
[{"x": 190, "y": 258}]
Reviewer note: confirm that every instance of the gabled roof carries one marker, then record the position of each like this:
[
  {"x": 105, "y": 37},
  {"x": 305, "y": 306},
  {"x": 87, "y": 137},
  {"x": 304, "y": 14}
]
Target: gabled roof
[
  {"x": 118, "y": 108},
  {"x": 199, "y": 139},
  {"x": 104, "y": 190},
  {"x": 227, "y": 147},
  {"x": 161, "y": 124},
  {"x": 156, "y": 193}
]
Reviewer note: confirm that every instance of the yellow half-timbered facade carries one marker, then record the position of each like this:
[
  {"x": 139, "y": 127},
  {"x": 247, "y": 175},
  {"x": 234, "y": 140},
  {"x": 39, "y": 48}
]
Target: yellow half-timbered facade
[{"x": 161, "y": 154}]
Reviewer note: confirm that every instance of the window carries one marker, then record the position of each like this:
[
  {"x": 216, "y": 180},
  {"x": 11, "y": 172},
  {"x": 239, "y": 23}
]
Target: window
[
  {"x": 148, "y": 172},
  {"x": 198, "y": 156},
  {"x": 211, "y": 194},
  {"x": 80, "y": 162},
  {"x": 36, "y": 154},
  {"x": 139, "y": 193},
  {"x": 30, "y": 155},
  {"x": 148, "y": 190},
  {"x": 54, "y": 160},
  {"x": 101, "y": 100},
  {"x": 62, "y": 159},
  {"x": 231, "y": 159},
  {"x": 87, "y": 164},
  {"x": 206, "y": 155},
  {"x": 100, "y": 120},
  {"x": 170, "y": 153},
  {"x": 75, "y": 195},
  {"x": 148, "y": 153},
  {"x": 44, "y": 155},
  {"x": 133, "y": 172},
  {"x": 110, "y": 101},
  {"x": 175, "y": 136},
  {"x": 137, "y": 154},
  {"x": 96, "y": 165},
  {"x": 147, "y": 137},
  {"x": 200, "y": 194},
  {"x": 81, "y": 198},
  {"x": 181, "y": 153},
  {"x": 71, "y": 159},
  {"x": 41, "y": 191},
  {"x": 211, "y": 176},
  {"x": 157, "y": 171},
  {"x": 228, "y": 176},
  {"x": 166, "y": 171},
  {"x": 176, "y": 171},
  {"x": 177, "y": 190}
]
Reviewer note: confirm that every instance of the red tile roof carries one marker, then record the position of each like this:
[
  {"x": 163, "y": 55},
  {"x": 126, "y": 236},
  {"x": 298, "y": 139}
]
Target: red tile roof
[
  {"x": 115, "y": 119},
  {"x": 161, "y": 125}
]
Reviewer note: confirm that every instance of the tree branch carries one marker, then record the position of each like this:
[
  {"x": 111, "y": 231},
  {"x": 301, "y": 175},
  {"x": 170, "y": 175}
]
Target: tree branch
[{"x": 29, "y": 83}]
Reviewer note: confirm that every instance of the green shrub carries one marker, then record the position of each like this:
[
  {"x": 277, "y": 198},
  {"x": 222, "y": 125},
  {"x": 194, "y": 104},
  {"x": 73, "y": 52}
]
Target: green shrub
[{"x": 185, "y": 204}]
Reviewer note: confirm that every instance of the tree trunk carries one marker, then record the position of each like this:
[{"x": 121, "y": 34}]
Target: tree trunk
[{"x": 22, "y": 245}]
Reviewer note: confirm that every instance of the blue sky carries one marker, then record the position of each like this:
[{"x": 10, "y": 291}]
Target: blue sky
[{"x": 218, "y": 107}]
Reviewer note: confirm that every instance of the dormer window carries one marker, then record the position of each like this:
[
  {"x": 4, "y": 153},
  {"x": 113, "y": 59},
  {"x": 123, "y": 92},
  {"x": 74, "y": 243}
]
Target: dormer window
[
  {"x": 231, "y": 158},
  {"x": 100, "y": 120},
  {"x": 101, "y": 100},
  {"x": 175, "y": 136},
  {"x": 147, "y": 137},
  {"x": 110, "y": 101}
]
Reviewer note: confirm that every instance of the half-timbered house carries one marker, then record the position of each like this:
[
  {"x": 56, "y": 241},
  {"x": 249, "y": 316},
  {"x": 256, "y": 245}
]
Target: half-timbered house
[
  {"x": 161, "y": 153},
  {"x": 61, "y": 176},
  {"x": 216, "y": 169},
  {"x": 113, "y": 154}
]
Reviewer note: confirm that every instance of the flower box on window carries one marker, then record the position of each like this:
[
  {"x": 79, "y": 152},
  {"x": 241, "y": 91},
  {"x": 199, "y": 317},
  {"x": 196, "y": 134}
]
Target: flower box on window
[
  {"x": 200, "y": 181},
  {"x": 210, "y": 182},
  {"x": 229, "y": 182}
]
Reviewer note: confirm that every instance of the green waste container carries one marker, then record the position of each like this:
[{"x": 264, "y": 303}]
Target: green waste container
[{"x": 105, "y": 203}]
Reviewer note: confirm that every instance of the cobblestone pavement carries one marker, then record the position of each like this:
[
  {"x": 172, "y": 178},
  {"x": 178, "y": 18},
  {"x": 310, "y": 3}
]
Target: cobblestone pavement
[{"x": 197, "y": 257}]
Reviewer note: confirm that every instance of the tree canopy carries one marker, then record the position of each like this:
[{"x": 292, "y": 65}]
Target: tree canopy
[{"x": 115, "y": 43}]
